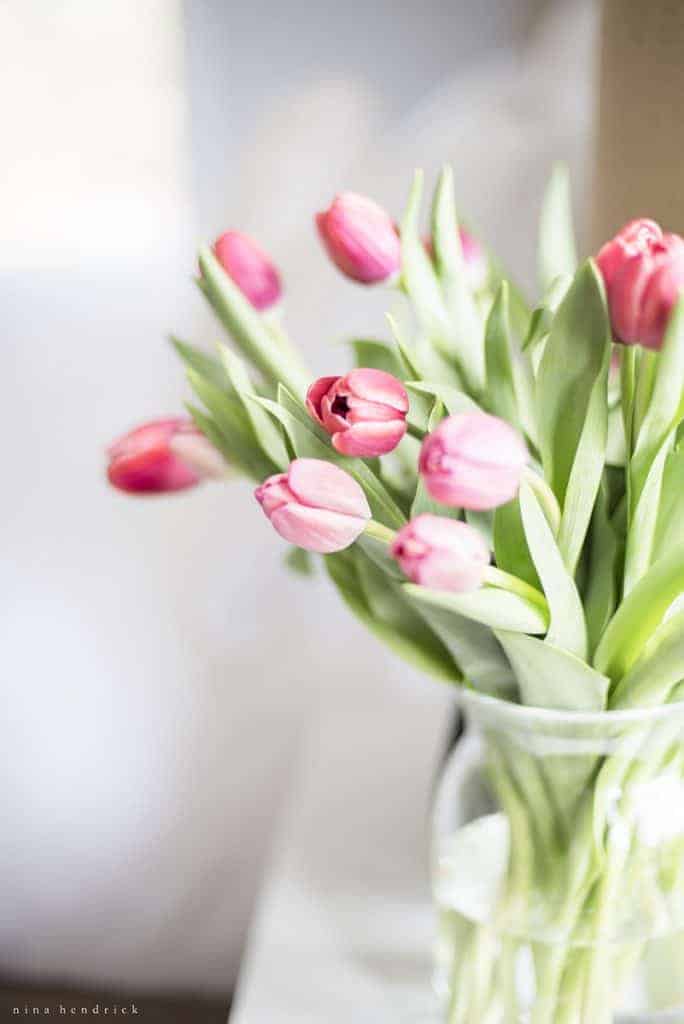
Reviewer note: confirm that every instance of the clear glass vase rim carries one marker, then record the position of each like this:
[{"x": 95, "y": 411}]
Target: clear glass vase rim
[{"x": 520, "y": 715}]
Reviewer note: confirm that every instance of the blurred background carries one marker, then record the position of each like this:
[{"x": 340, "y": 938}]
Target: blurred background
[{"x": 160, "y": 667}]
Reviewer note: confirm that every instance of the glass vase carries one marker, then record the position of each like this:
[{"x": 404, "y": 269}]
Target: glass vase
[{"x": 558, "y": 867}]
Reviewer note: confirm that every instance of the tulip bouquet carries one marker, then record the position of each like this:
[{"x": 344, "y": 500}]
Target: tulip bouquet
[{"x": 497, "y": 491}]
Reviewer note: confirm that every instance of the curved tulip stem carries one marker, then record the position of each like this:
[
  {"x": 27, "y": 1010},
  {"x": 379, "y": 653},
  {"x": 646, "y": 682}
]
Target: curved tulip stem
[
  {"x": 379, "y": 532},
  {"x": 506, "y": 581}
]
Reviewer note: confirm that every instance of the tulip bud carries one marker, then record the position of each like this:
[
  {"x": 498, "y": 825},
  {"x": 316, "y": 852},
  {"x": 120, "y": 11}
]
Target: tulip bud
[
  {"x": 364, "y": 412},
  {"x": 473, "y": 461},
  {"x": 361, "y": 238},
  {"x": 315, "y": 505},
  {"x": 643, "y": 271},
  {"x": 161, "y": 456},
  {"x": 440, "y": 553},
  {"x": 250, "y": 269}
]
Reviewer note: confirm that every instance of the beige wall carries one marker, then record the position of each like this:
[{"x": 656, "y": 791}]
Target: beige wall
[{"x": 640, "y": 141}]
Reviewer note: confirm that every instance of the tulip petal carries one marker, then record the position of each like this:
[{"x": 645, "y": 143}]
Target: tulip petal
[
  {"x": 315, "y": 395},
  {"x": 367, "y": 440},
  {"x": 317, "y": 529},
  {"x": 324, "y": 485},
  {"x": 378, "y": 386}
]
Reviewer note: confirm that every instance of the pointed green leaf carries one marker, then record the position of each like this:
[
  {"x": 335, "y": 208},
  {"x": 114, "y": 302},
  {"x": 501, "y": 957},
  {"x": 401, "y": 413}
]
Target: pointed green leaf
[
  {"x": 266, "y": 433},
  {"x": 666, "y": 406},
  {"x": 201, "y": 362},
  {"x": 640, "y": 614},
  {"x": 659, "y": 669},
  {"x": 501, "y": 397},
  {"x": 567, "y": 628},
  {"x": 641, "y": 534},
  {"x": 248, "y": 328},
  {"x": 670, "y": 525},
  {"x": 379, "y": 355},
  {"x": 557, "y": 250},
  {"x": 550, "y": 677},
  {"x": 382, "y": 607},
  {"x": 587, "y": 470},
  {"x": 572, "y": 361},
  {"x": 510, "y": 545},
  {"x": 498, "y": 609},
  {"x": 230, "y": 418},
  {"x": 476, "y": 650},
  {"x": 600, "y": 596},
  {"x": 299, "y": 561}
]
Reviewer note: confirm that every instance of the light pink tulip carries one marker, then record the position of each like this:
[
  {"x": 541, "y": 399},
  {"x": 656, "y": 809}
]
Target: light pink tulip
[
  {"x": 473, "y": 461},
  {"x": 315, "y": 505},
  {"x": 250, "y": 268},
  {"x": 364, "y": 411},
  {"x": 162, "y": 456},
  {"x": 643, "y": 271},
  {"x": 440, "y": 553},
  {"x": 361, "y": 238}
]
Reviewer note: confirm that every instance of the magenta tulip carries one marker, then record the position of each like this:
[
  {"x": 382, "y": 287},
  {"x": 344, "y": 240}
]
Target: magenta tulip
[
  {"x": 473, "y": 461},
  {"x": 250, "y": 268},
  {"x": 364, "y": 412},
  {"x": 315, "y": 505},
  {"x": 361, "y": 238},
  {"x": 163, "y": 456},
  {"x": 643, "y": 271},
  {"x": 440, "y": 553}
]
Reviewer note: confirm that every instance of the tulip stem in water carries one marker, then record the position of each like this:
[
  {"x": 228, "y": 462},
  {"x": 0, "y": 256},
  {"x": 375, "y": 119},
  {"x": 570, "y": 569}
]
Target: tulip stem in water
[{"x": 379, "y": 532}]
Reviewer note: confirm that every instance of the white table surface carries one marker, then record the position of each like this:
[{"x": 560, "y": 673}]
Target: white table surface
[{"x": 344, "y": 926}]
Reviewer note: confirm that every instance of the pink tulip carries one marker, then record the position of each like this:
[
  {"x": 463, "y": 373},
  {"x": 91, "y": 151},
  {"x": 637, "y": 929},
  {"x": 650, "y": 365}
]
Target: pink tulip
[
  {"x": 161, "y": 456},
  {"x": 443, "y": 554},
  {"x": 250, "y": 269},
  {"x": 315, "y": 505},
  {"x": 361, "y": 238},
  {"x": 364, "y": 412},
  {"x": 643, "y": 271},
  {"x": 473, "y": 461}
]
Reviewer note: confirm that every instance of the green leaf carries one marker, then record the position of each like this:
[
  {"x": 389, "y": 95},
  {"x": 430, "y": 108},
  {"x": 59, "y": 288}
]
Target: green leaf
[
  {"x": 550, "y": 677},
  {"x": 248, "y": 328},
  {"x": 201, "y": 362},
  {"x": 666, "y": 405},
  {"x": 380, "y": 604},
  {"x": 498, "y": 609},
  {"x": 640, "y": 614},
  {"x": 641, "y": 534},
  {"x": 476, "y": 650},
  {"x": 572, "y": 361},
  {"x": 600, "y": 597},
  {"x": 379, "y": 355},
  {"x": 587, "y": 470},
  {"x": 423, "y": 360},
  {"x": 501, "y": 398},
  {"x": 670, "y": 525},
  {"x": 567, "y": 628},
  {"x": 266, "y": 433},
  {"x": 510, "y": 544},
  {"x": 454, "y": 401},
  {"x": 306, "y": 444},
  {"x": 230, "y": 419},
  {"x": 659, "y": 669},
  {"x": 557, "y": 250},
  {"x": 441, "y": 316},
  {"x": 205, "y": 423}
]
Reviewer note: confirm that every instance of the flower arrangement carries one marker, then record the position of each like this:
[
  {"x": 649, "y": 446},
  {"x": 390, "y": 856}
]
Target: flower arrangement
[{"x": 497, "y": 491}]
